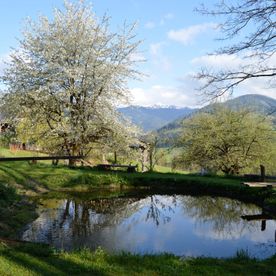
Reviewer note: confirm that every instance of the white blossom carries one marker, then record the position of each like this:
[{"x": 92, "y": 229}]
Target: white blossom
[{"x": 68, "y": 76}]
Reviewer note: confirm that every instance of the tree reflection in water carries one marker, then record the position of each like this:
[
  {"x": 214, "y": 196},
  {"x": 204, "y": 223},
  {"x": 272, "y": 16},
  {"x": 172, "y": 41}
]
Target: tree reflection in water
[
  {"x": 158, "y": 209},
  {"x": 88, "y": 216},
  {"x": 223, "y": 214},
  {"x": 156, "y": 222},
  {"x": 83, "y": 218}
]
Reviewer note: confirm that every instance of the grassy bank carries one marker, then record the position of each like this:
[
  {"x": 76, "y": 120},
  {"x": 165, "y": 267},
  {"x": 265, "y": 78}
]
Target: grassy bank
[
  {"x": 34, "y": 179},
  {"x": 15, "y": 211},
  {"x": 31, "y": 259}
]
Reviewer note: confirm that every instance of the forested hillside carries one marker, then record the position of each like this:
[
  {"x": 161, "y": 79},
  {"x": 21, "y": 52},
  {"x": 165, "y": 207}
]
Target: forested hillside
[{"x": 257, "y": 103}]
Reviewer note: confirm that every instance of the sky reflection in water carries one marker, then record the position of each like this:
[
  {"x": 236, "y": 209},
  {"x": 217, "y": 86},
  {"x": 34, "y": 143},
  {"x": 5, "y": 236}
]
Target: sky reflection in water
[{"x": 183, "y": 225}]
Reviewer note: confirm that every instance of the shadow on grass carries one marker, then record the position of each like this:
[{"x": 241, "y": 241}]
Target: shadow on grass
[
  {"x": 40, "y": 260},
  {"x": 19, "y": 175}
]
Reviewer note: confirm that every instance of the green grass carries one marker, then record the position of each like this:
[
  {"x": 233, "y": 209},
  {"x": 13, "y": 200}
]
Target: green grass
[
  {"x": 35, "y": 259},
  {"x": 18, "y": 153},
  {"x": 164, "y": 169}
]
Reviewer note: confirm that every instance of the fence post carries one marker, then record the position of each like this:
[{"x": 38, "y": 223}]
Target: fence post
[{"x": 262, "y": 167}]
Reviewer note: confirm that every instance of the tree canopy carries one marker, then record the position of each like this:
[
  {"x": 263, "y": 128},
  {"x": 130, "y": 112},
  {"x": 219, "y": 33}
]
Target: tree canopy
[
  {"x": 226, "y": 140},
  {"x": 67, "y": 77}
]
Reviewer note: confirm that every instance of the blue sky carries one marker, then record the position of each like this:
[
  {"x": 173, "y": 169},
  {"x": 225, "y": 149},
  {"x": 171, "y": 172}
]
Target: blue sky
[{"x": 175, "y": 38}]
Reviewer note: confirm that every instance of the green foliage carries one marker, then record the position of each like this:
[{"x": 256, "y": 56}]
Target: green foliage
[
  {"x": 227, "y": 140},
  {"x": 243, "y": 255},
  {"x": 7, "y": 195},
  {"x": 7, "y": 137},
  {"x": 28, "y": 259}
]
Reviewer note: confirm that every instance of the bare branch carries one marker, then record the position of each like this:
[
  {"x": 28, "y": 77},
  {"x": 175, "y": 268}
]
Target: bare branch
[{"x": 257, "y": 48}]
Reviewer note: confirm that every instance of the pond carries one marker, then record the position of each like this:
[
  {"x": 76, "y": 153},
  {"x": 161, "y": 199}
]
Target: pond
[{"x": 179, "y": 224}]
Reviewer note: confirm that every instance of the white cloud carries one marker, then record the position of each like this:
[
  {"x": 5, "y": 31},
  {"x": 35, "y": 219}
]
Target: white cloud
[
  {"x": 156, "y": 48},
  {"x": 163, "y": 95},
  {"x": 224, "y": 61},
  {"x": 165, "y": 64},
  {"x": 150, "y": 25},
  {"x": 158, "y": 58},
  {"x": 165, "y": 18},
  {"x": 162, "y": 22},
  {"x": 187, "y": 35},
  {"x": 218, "y": 61},
  {"x": 256, "y": 86},
  {"x": 234, "y": 62},
  {"x": 169, "y": 16}
]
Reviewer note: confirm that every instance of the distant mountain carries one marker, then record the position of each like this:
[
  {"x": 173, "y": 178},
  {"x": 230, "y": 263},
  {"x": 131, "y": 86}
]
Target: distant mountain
[
  {"x": 153, "y": 118},
  {"x": 257, "y": 103}
]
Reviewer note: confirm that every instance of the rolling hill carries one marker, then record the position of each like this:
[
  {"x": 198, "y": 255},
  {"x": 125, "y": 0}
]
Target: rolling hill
[{"x": 257, "y": 103}]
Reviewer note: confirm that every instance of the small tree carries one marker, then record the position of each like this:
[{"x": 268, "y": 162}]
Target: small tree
[
  {"x": 226, "y": 140},
  {"x": 67, "y": 77},
  {"x": 155, "y": 153}
]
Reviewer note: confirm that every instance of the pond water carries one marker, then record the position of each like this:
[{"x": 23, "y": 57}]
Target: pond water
[{"x": 179, "y": 224}]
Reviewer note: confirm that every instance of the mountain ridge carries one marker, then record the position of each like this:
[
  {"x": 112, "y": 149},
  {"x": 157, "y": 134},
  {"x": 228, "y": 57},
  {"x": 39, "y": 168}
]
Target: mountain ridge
[
  {"x": 157, "y": 118},
  {"x": 254, "y": 102},
  {"x": 152, "y": 118}
]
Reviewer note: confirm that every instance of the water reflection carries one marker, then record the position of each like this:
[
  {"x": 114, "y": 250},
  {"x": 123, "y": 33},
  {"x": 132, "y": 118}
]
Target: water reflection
[
  {"x": 183, "y": 225},
  {"x": 260, "y": 217},
  {"x": 159, "y": 209},
  {"x": 222, "y": 215}
]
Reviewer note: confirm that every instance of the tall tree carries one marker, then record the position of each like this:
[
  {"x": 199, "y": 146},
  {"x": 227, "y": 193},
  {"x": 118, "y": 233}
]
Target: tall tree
[
  {"x": 228, "y": 141},
  {"x": 68, "y": 75},
  {"x": 250, "y": 28}
]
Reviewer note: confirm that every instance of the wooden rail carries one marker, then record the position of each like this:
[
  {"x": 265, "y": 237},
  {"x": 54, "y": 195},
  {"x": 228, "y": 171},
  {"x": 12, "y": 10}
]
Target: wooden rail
[
  {"x": 106, "y": 167},
  {"x": 39, "y": 158},
  {"x": 260, "y": 184}
]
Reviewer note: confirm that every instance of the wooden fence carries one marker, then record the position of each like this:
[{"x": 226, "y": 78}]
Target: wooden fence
[{"x": 39, "y": 158}]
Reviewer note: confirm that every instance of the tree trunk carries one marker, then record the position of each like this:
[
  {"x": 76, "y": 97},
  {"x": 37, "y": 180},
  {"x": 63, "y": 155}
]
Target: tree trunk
[
  {"x": 115, "y": 157},
  {"x": 72, "y": 163},
  {"x": 72, "y": 152},
  {"x": 151, "y": 160},
  {"x": 262, "y": 168}
]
